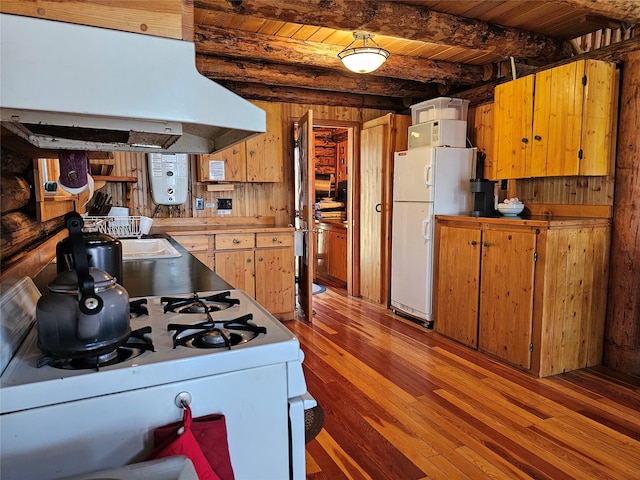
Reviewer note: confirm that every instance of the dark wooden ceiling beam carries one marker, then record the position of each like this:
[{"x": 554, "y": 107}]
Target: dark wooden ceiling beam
[
  {"x": 270, "y": 93},
  {"x": 622, "y": 10},
  {"x": 414, "y": 21},
  {"x": 611, "y": 53},
  {"x": 218, "y": 68},
  {"x": 242, "y": 44}
]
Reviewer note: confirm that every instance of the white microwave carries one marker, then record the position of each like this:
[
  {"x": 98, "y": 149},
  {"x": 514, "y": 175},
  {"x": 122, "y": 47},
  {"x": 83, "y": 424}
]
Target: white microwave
[{"x": 438, "y": 133}]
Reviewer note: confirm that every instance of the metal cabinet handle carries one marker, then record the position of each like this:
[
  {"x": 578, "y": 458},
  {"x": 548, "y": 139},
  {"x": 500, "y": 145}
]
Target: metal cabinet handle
[
  {"x": 525, "y": 140},
  {"x": 252, "y": 152},
  {"x": 275, "y": 239},
  {"x": 260, "y": 259},
  {"x": 248, "y": 260},
  {"x": 378, "y": 207},
  {"x": 473, "y": 242},
  {"x": 485, "y": 244},
  {"x": 537, "y": 137},
  {"x": 235, "y": 151},
  {"x": 235, "y": 240}
]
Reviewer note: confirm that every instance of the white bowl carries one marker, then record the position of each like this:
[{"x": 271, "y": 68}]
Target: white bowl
[{"x": 510, "y": 209}]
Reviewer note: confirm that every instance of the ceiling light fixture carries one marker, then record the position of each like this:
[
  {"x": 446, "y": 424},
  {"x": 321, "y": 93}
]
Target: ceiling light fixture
[{"x": 365, "y": 58}]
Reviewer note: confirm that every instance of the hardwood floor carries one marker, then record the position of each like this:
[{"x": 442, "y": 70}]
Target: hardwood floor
[{"x": 402, "y": 403}]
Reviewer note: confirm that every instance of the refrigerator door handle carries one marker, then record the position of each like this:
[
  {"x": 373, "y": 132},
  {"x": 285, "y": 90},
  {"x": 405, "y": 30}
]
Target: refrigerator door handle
[
  {"x": 427, "y": 175},
  {"x": 426, "y": 231}
]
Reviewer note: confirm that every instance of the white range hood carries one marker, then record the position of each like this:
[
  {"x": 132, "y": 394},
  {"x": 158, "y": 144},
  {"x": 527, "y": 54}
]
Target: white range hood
[{"x": 73, "y": 87}]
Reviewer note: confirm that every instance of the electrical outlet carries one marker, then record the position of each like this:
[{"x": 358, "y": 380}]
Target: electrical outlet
[
  {"x": 199, "y": 203},
  {"x": 224, "y": 204}
]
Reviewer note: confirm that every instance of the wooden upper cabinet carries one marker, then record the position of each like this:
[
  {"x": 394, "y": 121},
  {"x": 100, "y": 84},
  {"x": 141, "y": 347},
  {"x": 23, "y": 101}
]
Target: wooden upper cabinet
[
  {"x": 557, "y": 122},
  {"x": 513, "y": 117},
  {"x": 259, "y": 159}
]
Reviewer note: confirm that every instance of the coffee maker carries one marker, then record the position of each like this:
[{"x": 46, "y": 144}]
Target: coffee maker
[{"x": 483, "y": 192}]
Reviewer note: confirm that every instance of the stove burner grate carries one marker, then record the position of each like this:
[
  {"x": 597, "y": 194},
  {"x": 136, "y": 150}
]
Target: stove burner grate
[
  {"x": 216, "y": 333},
  {"x": 136, "y": 344},
  {"x": 198, "y": 304}
]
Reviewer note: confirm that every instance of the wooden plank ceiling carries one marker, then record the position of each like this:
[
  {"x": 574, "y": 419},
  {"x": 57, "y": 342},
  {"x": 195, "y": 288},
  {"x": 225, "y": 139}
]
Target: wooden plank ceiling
[{"x": 286, "y": 50}]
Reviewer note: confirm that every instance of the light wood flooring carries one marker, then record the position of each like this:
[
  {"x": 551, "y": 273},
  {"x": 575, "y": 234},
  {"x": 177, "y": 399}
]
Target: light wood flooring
[{"x": 402, "y": 403}]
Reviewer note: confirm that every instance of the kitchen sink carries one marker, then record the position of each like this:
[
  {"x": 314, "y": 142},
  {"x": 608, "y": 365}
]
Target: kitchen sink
[{"x": 147, "y": 248}]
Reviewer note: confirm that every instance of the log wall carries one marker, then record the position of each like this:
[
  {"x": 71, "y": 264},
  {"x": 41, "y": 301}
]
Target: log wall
[{"x": 622, "y": 334}]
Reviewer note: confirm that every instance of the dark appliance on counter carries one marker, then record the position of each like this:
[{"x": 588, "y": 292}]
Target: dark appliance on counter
[{"x": 483, "y": 192}]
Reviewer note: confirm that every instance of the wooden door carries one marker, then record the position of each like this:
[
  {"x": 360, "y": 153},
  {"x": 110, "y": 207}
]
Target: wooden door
[
  {"x": 237, "y": 268},
  {"x": 457, "y": 283},
  {"x": 506, "y": 294},
  {"x": 373, "y": 143},
  {"x": 306, "y": 196},
  {"x": 513, "y": 119},
  {"x": 379, "y": 139}
]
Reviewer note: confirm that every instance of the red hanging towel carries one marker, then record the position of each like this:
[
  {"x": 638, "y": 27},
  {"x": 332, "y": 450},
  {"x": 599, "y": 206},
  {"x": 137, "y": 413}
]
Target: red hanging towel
[
  {"x": 181, "y": 441},
  {"x": 208, "y": 433}
]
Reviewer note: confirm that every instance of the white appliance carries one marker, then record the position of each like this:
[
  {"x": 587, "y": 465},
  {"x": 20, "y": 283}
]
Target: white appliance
[
  {"x": 169, "y": 178},
  {"x": 438, "y": 133},
  {"x": 75, "y": 87},
  {"x": 57, "y": 423},
  {"x": 426, "y": 181}
]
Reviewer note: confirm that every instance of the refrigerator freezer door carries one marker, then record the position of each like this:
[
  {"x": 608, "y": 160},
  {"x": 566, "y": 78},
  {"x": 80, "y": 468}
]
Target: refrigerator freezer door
[
  {"x": 439, "y": 174},
  {"x": 412, "y": 259},
  {"x": 412, "y": 175},
  {"x": 452, "y": 168}
]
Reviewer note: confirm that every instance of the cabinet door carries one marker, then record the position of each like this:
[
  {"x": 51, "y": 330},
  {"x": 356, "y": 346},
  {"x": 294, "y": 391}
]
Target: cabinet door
[
  {"x": 513, "y": 120},
  {"x": 322, "y": 251},
  {"x": 264, "y": 152},
  {"x": 557, "y": 120},
  {"x": 506, "y": 294},
  {"x": 338, "y": 255},
  {"x": 274, "y": 288},
  {"x": 597, "y": 118},
  {"x": 457, "y": 283},
  {"x": 237, "y": 268},
  {"x": 234, "y": 164}
]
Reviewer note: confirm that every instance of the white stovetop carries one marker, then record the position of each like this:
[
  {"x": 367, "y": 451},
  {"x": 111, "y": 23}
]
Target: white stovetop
[{"x": 24, "y": 386}]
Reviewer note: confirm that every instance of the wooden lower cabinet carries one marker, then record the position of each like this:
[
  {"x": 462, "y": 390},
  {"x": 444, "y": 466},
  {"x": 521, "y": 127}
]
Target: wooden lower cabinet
[
  {"x": 331, "y": 251},
  {"x": 531, "y": 292},
  {"x": 260, "y": 262}
]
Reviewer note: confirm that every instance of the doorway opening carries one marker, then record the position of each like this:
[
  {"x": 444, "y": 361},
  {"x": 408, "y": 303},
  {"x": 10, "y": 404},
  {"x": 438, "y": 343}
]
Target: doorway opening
[{"x": 334, "y": 188}]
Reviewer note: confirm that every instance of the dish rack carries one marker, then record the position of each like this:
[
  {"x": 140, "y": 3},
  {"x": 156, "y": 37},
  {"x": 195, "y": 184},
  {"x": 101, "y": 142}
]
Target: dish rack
[{"x": 118, "y": 227}]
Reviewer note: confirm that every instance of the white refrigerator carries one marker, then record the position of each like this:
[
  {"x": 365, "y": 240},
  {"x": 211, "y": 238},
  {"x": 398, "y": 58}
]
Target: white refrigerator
[{"x": 426, "y": 181}]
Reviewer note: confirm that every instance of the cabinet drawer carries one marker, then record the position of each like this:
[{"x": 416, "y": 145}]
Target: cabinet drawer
[
  {"x": 234, "y": 240},
  {"x": 282, "y": 239},
  {"x": 193, "y": 243}
]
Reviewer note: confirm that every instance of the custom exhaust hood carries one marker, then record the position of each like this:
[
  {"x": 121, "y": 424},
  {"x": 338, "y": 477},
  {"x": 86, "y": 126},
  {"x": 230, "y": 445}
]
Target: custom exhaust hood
[{"x": 73, "y": 87}]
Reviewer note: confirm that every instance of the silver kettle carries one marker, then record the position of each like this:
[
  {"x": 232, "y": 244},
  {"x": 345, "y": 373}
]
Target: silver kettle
[{"x": 85, "y": 312}]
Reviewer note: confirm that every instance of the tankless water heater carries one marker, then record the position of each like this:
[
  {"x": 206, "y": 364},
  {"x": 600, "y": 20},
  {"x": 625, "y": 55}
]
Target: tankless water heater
[{"x": 169, "y": 176}]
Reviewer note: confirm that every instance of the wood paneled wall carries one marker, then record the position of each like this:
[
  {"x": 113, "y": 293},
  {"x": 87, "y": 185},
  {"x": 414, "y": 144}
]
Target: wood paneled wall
[{"x": 249, "y": 199}]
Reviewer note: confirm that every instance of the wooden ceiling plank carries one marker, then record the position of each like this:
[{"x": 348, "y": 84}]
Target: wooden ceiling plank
[{"x": 417, "y": 23}]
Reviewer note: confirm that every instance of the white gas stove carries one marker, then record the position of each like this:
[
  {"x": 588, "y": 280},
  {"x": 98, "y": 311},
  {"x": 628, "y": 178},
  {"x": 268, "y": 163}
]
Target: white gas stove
[{"x": 57, "y": 421}]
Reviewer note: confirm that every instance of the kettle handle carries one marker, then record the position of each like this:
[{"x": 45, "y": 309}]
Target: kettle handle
[{"x": 89, "y": 303}]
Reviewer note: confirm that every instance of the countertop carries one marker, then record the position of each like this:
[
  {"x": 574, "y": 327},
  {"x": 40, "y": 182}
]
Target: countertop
[
  {"x": 540, "y": 221},
  {"x": 155, "y": 277}
]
